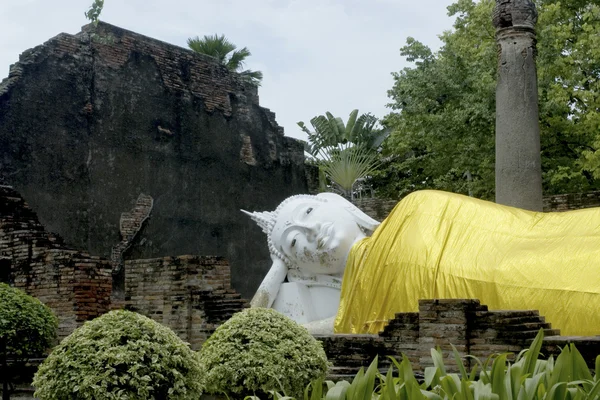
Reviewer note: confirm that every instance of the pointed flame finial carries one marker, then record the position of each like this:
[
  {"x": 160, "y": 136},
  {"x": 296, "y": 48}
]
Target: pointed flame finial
[{"x": 264, "y": 219}]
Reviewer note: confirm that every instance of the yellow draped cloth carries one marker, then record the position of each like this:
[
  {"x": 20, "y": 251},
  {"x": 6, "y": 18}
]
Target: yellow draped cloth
[{"x": 438, "y": 245}]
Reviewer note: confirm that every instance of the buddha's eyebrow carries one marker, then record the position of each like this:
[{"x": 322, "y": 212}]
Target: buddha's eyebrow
[
  {"x": 291, "y": 228},
  {"x": 300, "y": 212}
]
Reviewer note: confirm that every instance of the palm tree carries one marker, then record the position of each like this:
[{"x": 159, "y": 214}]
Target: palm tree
[
  {"x": 223, "y": 50},
  {"x": 347, "y": 152}
]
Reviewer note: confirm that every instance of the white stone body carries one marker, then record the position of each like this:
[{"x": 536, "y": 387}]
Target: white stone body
[{"x": 305, "y": 304}]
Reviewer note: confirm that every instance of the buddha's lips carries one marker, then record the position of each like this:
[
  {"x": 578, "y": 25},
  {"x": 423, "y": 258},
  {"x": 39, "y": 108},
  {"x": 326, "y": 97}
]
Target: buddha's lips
[{"x": 325, "y": 234}]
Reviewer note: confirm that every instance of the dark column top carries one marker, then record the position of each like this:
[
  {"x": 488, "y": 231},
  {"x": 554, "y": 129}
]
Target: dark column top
[{"x": 515, "y": 13}]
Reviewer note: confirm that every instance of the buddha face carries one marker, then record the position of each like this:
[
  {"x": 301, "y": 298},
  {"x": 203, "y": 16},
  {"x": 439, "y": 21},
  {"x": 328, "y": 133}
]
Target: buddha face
[{"x": 315, "y": 235}]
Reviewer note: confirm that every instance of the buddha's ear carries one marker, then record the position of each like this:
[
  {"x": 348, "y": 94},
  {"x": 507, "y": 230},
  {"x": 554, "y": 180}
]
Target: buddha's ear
[{"x": 367, "y": 223}]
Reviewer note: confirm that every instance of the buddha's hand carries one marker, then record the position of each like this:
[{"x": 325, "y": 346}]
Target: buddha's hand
[
  {"x": 269, "y": 287},
  {"x": 320, "y": 327}
]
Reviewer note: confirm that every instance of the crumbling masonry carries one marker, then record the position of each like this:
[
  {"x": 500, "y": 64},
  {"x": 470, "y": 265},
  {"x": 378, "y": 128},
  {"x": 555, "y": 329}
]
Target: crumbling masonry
[{"x": 90, "y": 121}]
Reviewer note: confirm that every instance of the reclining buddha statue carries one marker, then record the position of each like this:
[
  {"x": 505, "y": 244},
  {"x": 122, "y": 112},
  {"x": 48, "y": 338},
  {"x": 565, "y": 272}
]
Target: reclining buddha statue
[{"x": 336, "y": 269}]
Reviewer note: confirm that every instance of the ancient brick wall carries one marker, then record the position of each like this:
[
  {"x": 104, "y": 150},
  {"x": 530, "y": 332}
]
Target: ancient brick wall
[
  {"x": 376, "y": 208},
  {"x": 466, "y": 324},
  {"x": 130, "y": 225},
  {"x": 312, "y": 178},
  {"x": 180, "y": 70},
  {"x": 190, "y": 294},
  {"x": 380, "y": 208},
  {"x": 75, "y": 285},
  {"x": 575, "y": 201},
  {"x": 90, "y": 121}
]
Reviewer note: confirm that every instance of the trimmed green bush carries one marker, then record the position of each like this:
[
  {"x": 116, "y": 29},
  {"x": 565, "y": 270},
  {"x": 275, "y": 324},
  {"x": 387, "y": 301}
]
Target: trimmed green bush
[
  {"x": 120, "y": 355},
  {"x": 27, "y": 326},
  {"x": 258, "y": 350},
  {"x": 27, "y": 329}
]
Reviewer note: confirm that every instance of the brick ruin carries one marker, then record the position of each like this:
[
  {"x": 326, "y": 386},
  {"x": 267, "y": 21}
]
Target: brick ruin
[
  {"x": 380, "y": 208},
  {"x": 75, "y": 285},
  {"x": 468, "y": 325},
  {"x": 576, "y": 201},
  {"x": 90, "y": 121},
  {"x": 130, "y": 225},
  {"x": 190, "y": 294}
]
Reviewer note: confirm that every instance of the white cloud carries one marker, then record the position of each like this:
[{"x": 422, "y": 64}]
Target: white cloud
[{"x": 316, "y": 55}]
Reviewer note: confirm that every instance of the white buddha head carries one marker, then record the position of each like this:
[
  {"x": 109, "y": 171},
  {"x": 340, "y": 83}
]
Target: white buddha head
[{"x": 314, "y": 233}]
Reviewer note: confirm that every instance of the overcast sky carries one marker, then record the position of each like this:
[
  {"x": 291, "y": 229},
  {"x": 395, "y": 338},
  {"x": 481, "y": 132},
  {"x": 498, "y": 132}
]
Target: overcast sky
[{"x": 316, "y": 55}]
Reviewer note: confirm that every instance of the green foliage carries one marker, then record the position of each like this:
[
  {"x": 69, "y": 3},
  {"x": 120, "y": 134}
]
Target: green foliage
[
  {"x": 528, "y": 378},
  {"x": 569, "y": 75},
  {"x": 27, "y": 329},
  {"x": 120, "y": 355},
  {"x": 344, "y": 152},
  {"x": 443, "y": 121},
  {"x": 94, "y": 12},
  {"x": 443, "y": 127},
  {"x": 226, "y": 52},
  {"x": 259, "y": 350}
]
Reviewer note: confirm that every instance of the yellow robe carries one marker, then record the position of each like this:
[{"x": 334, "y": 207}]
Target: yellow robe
[{"x": 443, "y": 245}]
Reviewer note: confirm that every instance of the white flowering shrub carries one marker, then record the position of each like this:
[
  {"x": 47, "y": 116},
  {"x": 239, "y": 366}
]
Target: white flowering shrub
[
  {"x": 258, "y": 350},
  {"x": 120, "y": 355}
]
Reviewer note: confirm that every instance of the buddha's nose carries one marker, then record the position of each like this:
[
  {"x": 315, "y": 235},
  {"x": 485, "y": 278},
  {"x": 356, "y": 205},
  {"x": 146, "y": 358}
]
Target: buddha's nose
[{"x": 312, "y": 231}]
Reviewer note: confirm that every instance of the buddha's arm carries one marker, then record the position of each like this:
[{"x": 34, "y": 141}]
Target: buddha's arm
[
  {"x": 269, "y": 287},
  {"x": 331, "y": 281}
]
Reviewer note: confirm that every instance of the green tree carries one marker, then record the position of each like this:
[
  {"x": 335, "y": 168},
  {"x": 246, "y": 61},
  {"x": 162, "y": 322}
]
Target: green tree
[
  {"x": 443, "y": 121},
  {"x": 442, "y": 127},
  {"x": 259, "y": 350},
  {"x": 27, "y": 329},
  {"x": 120, "y": 355},
  {"x": 344, "y": 152},
  {"x": 226, "y": 52},
  {"x": 569, "y": 76},
  {"x": 94, "y": 12}
]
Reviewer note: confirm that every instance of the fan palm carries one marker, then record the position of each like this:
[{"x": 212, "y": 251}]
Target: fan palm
[
  {"x": 345, "y": 152},
  {"x": 226, "y": 52}
]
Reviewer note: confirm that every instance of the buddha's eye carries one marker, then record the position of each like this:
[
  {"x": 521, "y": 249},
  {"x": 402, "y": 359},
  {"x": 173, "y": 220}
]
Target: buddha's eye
[
  {"x": 309, "y": 210},
  {"x": 293, "y": 242}
]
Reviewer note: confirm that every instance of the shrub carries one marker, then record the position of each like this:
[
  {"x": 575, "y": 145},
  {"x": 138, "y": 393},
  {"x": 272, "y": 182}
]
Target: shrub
[
  {"x": 258, "y": 350},
  {"x": 27, "y": 329},
  {"x": 120, "y": 355},
  {"x": 529, "y": 378},
  {"x": 27, "y": 326}
]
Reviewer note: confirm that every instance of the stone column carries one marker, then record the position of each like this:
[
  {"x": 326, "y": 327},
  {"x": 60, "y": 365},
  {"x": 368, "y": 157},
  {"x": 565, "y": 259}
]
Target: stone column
[{"x": 518, "y": 159}]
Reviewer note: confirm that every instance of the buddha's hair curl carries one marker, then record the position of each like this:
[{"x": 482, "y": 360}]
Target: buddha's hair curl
[{"x": 267, "y": 219}]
